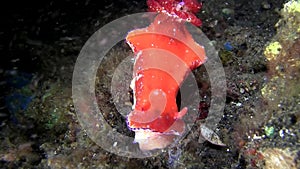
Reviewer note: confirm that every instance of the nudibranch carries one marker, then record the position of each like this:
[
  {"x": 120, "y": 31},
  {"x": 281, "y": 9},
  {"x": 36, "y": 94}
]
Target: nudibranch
[{"x": 165, "y": 53}]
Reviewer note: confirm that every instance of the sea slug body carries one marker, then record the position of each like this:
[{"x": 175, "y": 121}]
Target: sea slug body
[{"x": 165, "y": 53}]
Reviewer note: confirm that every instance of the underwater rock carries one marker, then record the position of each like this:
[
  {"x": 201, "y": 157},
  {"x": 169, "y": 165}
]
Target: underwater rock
[
  {"x": 282, "y": 91},
  {"x": 283, "y": 57},
  {"x": 278, "y": 158}
]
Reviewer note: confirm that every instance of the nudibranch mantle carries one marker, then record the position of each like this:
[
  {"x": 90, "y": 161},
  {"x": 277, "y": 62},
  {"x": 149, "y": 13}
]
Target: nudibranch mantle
[{"x": 165, "y": 53}]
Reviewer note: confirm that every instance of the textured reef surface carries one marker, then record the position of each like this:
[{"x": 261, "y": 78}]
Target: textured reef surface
[{"x": 257, "y": 41}]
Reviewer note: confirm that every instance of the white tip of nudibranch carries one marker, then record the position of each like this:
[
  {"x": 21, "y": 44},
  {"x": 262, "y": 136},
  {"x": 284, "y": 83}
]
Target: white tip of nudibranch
[{"x": 149, "y": 140}]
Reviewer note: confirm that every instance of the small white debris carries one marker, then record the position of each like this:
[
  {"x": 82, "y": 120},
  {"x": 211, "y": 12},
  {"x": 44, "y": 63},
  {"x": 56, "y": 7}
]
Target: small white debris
[
  {"x": 281, "y": 133},
  {"x": 255, "y": 137}
]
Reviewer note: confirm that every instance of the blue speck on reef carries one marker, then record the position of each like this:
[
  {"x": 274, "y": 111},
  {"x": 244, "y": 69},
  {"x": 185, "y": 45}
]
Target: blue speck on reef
[{"x": 228, "y": 46}]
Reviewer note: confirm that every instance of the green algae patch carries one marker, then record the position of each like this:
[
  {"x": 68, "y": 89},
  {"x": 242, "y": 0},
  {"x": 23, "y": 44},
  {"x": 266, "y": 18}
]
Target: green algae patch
[{"x": 51, "y": 110}]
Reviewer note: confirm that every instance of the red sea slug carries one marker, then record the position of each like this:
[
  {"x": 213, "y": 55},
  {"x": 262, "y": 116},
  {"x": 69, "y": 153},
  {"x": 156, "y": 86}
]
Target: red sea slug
[{"x": 165, "y": 53}]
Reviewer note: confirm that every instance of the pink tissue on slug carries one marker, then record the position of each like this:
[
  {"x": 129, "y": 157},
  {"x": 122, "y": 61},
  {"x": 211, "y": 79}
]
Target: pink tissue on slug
[{"x": 183, "y": 9}]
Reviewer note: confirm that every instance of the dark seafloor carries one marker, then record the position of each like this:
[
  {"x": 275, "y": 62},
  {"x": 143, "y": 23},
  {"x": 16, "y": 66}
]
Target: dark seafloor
[{"x": 40, "y": 41}]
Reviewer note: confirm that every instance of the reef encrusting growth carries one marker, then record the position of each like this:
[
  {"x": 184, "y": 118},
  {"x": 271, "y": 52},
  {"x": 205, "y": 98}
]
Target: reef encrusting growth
[
  {"x": 283, "y": 55},
  {"x": 282, "y": 90}
]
